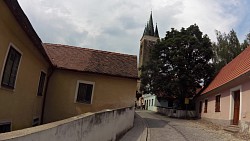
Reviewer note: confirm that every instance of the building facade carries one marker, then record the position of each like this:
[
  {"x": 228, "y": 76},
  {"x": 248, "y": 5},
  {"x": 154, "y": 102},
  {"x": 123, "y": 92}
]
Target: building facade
[
  {"x": 23, "y": 70},
  {"x": 152, "y": 103},
  {"x": 226, "y": 100},
  {"x": 87, "y": 80}
]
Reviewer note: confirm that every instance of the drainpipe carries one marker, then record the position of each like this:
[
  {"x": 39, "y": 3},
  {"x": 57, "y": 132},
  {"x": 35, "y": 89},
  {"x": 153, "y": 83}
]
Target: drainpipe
[{"x": 50, "y": 72}]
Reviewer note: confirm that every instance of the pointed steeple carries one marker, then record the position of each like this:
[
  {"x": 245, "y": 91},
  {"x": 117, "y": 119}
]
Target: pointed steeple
[
  {"x": 146, "y": 31},
  {"x": 156, "y": 34},
  {"x": 149, "y": 28},
  {"x": 151, "y": 25}
]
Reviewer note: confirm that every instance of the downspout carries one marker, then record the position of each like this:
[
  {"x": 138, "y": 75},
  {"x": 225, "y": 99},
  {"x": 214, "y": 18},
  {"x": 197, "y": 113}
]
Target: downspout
[{"x": 50, "y": 72}]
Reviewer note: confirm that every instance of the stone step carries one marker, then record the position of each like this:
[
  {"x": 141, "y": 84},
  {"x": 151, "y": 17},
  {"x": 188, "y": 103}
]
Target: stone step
[{"x": 232, "y": 128}]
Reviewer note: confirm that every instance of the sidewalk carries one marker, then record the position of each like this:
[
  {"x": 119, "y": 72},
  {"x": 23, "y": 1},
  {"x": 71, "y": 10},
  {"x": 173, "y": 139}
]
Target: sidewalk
[{"x": 138, "y": 132}]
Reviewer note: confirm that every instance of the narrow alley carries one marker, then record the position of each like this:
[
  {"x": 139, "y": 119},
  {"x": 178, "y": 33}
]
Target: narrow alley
[{"x": 151, "y": 126}]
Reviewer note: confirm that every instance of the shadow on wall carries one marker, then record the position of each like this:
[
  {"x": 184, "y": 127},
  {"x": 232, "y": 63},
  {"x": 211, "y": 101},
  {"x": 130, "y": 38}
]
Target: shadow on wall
[{"x": 103, "y": 125}]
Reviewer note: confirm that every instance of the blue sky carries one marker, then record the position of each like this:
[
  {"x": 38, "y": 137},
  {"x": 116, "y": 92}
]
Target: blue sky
[{"x": 117, "y": 25}]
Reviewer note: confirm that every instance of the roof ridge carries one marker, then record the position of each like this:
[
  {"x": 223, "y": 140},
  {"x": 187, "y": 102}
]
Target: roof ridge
[
  {"x": 90, "y": 60},
  {"x": 84, "y": 48},
  {"x": 237, "y": 57},
  {"x": 234, "y": 69}
]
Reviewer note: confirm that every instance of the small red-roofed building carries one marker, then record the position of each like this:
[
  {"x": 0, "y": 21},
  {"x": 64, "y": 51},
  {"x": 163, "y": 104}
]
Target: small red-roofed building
[
  {"x": 87, "y": 80},
  {"x": 226, "y": 100}
]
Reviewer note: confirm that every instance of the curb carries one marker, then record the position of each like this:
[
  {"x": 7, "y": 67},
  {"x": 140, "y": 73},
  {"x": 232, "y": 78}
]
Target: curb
[{"x": 146, "y": 133}]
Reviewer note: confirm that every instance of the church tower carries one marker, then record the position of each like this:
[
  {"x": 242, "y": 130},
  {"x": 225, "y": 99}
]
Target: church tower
[
  {"x": 147, "y": 42},
  {"x": 149, "y": 38}
]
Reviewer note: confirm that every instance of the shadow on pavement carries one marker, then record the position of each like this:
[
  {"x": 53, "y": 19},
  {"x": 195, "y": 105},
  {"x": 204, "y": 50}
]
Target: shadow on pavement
[
  {"x": 135, "y": 133},
  {"x": 155, "y": 123}
]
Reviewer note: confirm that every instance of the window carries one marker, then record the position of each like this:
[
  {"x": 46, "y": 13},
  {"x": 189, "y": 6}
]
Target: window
[
  {"x": 152, "y": 102},
  {"x": 10, "y": 69},
  {"x": 84, "y": 93},
  {"x": 36, "y": 122},
  {"x": 205, "y": 108},
  {"x": 41, "y": 84},
  {"x": 5, "y": 127},
  {"x": 217, "y": 103},
  {"x": 200, "y": 108}
]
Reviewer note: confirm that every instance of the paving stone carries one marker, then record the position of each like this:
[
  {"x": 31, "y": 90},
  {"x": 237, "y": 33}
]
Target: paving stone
[{"x": 162, "y": 128}]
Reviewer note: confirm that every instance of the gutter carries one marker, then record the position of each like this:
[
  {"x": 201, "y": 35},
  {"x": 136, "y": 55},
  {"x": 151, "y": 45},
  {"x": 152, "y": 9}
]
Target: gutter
[{"x": 50, "y": 72}]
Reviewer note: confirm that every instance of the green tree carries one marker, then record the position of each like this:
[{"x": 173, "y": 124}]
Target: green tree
[
  {"x": 246, "y": 42},
  {"x": 179, "y": 64},
  {"x": 227, "y": 48}
]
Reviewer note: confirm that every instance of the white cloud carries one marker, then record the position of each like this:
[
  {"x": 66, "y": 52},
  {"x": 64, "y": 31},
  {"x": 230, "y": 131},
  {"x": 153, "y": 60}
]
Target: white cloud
[{"x": 117, "y": 25}]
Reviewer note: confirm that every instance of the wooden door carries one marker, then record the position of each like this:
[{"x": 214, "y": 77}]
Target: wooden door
[{"x": 236, "y": 107}]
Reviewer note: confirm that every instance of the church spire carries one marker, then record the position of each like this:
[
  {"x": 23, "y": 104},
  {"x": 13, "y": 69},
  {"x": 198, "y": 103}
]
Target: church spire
[
  {"x": 149, "y": 28},
  {"x": 146, "y": 31},
  {"x": 156, "y": 34},
  {"x": 151, "y": 25}
]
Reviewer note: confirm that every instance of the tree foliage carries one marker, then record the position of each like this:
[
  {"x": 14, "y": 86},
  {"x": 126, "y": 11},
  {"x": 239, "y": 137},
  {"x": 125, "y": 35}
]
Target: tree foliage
[
  {"x": 227, "y": 48},
  {"x": 246, "y": 42},
  {"x": 179, "y": 64}
]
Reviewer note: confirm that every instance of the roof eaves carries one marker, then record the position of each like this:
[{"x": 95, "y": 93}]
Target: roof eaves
[
  {"x": 224, "y": 84},
  {"x": 107, "y": 74},
  {"x": 25, "y": 24}
]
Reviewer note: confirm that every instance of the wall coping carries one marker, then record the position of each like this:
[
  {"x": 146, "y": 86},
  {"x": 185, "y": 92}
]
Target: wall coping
[{"x": 47, "y": 126}]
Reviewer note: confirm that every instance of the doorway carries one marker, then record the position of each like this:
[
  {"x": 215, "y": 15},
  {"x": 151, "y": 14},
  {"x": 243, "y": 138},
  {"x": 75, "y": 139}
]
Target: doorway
[{"x": 236, "y": 107}]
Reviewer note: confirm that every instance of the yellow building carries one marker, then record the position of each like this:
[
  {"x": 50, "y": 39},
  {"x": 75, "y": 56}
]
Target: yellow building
[
  {"x": 23, "y": 69},
  {"x": 87, "y": 80}
]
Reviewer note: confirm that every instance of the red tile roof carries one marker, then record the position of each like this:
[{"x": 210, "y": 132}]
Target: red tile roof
[
  {"x": 93, "y": 61},
  {"x": 237, "y": 67}
]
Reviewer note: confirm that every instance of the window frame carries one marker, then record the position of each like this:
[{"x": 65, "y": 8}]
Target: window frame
[
  {"x": 44, "y": 83},
  {"x": 205, "y": 105},
  {"x": 77, "y": 87},
  {"x": 6, "y": 122},
  {"x": 11, "y": 45},
  {"x": 216, "y": 108}
]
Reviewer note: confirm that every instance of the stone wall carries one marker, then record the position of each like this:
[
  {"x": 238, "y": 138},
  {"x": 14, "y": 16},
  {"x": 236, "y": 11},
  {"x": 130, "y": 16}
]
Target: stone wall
[
  {"x": 176, "y": 113},
  {"x": 100, "y": 126}
]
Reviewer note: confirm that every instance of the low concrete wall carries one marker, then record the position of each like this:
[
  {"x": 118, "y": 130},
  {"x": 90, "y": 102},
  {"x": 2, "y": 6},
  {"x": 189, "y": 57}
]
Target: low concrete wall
[
  {"x": 176, "y": 113},
  {"x": 100, "y": 126}
]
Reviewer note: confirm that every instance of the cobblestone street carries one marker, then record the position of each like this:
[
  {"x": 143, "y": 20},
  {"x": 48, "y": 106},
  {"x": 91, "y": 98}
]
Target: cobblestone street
[{"x": 162, "y": 128}]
